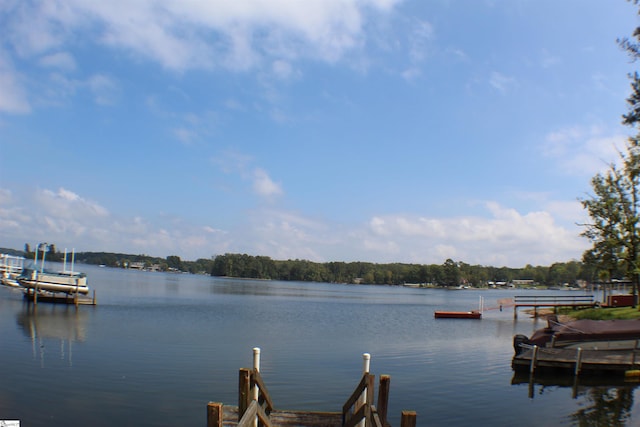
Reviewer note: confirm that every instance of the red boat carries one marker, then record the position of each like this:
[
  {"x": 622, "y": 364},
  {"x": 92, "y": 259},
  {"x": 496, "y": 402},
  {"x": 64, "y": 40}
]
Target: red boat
[{"x": 474, "y": 314}]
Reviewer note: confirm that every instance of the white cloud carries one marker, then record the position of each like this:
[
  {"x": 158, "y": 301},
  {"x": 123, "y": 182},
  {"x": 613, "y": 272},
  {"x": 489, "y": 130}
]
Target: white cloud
[
  {"x": 13, "y": 97},
  {"x": 59, "y": 60},
  {"x": 506, "y": 237},
  {"x": 583, "y": 150},
  {"x": 501, "y": 82},
  {"x": 104, "y": 89},
  {"x": 183, "y": 35},
  {"x": 496, "y": 236},
  {"x": 264, "y": 186},
  {"x": 67, "y": 204},
  {"x": 420, "y": 40}
]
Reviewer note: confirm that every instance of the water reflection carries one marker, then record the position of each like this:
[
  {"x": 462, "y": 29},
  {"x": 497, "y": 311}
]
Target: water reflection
[
  {"x": 45, "y": 323},
  {"x": 604, "y": 401}
]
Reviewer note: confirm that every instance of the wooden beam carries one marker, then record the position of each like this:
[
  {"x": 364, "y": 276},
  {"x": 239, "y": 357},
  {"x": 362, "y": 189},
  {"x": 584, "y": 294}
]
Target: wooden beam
[
  {"x": 214, "y": 414},
  {"x": 383, "y": 397},
  {"x": 408, "y": 419},
  {"x": 244, "y": 391}
]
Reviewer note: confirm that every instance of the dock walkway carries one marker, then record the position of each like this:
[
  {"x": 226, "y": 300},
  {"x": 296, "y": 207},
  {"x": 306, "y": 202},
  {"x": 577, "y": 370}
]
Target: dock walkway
[{"x": 255, "y": 407}]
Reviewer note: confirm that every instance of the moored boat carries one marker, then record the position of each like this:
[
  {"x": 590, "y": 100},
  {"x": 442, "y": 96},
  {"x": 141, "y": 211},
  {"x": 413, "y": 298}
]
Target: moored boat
[
  {"x": 67, "y": 281},
  {"x": 585, "y": 334},
  {"x": 10, "y": 268},
  {"x": 60, "y": 281}
]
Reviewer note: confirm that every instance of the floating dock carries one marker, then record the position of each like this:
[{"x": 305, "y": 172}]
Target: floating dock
[
  {"x": 35, "y": 297},
  {"x": 457, "y": 314},
  {"x": 255, "y": 406},
  {"x": 577, "y": 360},
  {"x": 471, "y": 314}
]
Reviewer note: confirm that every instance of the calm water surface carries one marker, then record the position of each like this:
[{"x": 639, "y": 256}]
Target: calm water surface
[{"x": 159, "y": 346}]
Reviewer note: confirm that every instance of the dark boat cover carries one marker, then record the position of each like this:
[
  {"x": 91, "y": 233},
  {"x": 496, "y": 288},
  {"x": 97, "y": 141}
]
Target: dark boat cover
[{"x": 587, "y": 330}]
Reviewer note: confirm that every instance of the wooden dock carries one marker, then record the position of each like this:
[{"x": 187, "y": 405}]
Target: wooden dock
[
  {"x": 552, "y": 301},
  {"x": 33, "y": 296},
  {"x": 577, "y": 360},
  {"x": 255, "y": 407}
]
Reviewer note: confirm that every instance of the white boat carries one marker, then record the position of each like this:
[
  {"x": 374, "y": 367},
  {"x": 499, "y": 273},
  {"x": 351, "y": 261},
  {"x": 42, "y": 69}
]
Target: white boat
[
  {"x": 10, "y": 269},
  {"x": 54, "y": 281},
  {"x": 67, "y": 281}
]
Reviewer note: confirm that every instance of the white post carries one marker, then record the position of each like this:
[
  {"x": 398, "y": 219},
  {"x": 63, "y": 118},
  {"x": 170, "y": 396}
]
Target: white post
[
  {"x": 256, "y": 366},
  {"x": 64, "y": 265},
  {"x": 44, "y": 255},
  {"x": 366, "y": 363},
  {"x": 366, "y": 359}
]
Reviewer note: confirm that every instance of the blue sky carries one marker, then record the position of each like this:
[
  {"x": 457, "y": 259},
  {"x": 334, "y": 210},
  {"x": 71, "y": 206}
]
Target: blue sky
[{"x": 339, "y": 130}]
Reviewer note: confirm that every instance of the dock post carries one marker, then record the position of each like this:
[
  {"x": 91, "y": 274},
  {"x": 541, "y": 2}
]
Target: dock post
[
  {"x": 515, "y": 312},
  {"x": 408, "y": 419},
  {"x": 576, "y": 372},
  {"x": 256, "y": 368},
  {"x": 214, "y": 414},
  {"x": 534, "y": 360},
  {"x": 94, "y": 297},
  {"x": 383, "y": 397},
  {"x": 244, "y": 391},
  {"x": 362, "y": 400}
]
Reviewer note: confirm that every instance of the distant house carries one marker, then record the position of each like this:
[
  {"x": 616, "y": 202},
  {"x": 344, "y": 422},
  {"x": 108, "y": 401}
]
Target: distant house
[
  {"x": 137, "y": 265},
  {"x": 521, "y": 282}
]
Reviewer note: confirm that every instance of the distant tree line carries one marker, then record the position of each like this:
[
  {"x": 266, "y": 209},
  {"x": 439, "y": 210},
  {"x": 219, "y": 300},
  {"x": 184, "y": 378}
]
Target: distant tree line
[
  {"x": 450, "y": 273},
  {"x": 110, "y": 259}
]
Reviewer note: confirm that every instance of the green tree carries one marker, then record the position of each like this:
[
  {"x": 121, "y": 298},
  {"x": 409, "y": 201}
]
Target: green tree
[
  {"x": 606, "y": 227},
  {"x": 615, "y": 235},
  {"x": 451, "y": 273},
  {"x": 174, "y": 262}
]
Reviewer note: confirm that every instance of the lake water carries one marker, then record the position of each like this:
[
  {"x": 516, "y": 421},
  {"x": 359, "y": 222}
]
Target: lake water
[{"x": 158, "y": 347}]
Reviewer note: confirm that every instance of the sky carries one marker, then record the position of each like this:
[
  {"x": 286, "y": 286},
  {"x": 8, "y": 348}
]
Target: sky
[{"x": 337, "y": 130}]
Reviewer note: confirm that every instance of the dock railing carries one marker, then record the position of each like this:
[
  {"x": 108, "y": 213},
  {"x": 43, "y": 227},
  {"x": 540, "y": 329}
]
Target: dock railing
[
  {"x": 255, "y": 407},
  {"x": 553, "y": 301}
]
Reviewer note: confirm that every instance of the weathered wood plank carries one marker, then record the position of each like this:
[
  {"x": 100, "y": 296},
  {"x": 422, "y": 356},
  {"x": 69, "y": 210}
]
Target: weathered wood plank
[
  {"x": 590, "y": 360},
  {"x": 383, "y": 397},
  {"x": 214, "y": 414},
  {"x": 264, "y": 393},
  {"x": 408, "y": 419},
  {"x": 289, "y": 418}
]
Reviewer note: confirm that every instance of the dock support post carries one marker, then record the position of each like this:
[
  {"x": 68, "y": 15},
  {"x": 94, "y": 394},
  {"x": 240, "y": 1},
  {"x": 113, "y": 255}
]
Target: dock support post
[
  {"x": 383, "y": 397},
  {"x": 576, "y": 372},
  {"x": 534, "y": 360},
  {"x": 515, "y": 312},
  {"x": 256, "y": 368},
  {"x": 94, "y": 297},
  {"x": 408, "y": 419},
  {"x": 362, "y": 400},
  {"x": 214, "y": 414},
  {"x": 244, "y": 391}
]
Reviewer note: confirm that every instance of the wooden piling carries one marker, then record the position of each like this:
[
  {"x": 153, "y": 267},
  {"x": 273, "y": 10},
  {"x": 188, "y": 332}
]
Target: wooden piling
[
  {"x": 214, "y": 414},
  {"x": 534, "y": 360},
  {"x": 576, "y": 372},
  {"x": 383, "y": 397},
  {"x": 244, "y": 391},
  {"x": 408, "y": 419}
]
